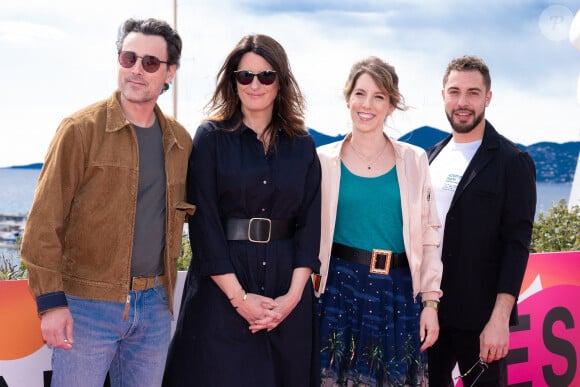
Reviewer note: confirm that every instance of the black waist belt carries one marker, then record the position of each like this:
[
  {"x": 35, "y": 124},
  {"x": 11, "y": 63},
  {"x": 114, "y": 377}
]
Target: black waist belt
[
  {"x": 259, "y": 230},
  {"x": 378, "y": 261}
]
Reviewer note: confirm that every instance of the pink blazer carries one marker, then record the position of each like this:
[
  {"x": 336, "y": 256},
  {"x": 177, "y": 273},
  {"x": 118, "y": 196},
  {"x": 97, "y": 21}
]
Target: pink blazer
[{"x": 421, "y": 226}]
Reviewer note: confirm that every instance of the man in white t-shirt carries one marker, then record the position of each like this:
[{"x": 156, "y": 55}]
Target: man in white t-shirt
[{"x": 485, "y": 189}]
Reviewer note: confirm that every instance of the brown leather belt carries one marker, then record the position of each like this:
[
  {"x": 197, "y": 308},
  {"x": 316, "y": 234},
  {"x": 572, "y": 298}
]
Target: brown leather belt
[
  {"x": 378, "y": 261},
  {"x": 259, "y": 230},
  {"x": 145, "y": 283}
]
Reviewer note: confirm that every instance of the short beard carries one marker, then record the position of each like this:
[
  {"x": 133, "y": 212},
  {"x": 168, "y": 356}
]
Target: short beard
[{"x": 465, "y": 128}]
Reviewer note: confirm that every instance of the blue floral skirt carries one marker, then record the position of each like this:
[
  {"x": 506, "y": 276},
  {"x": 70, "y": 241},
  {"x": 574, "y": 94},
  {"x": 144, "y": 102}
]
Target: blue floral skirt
[{"x": 370, "y": 327}]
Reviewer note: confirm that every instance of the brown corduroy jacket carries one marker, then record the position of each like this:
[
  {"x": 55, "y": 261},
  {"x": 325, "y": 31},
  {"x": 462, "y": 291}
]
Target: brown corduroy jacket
[{"x": 79, "y": 233}]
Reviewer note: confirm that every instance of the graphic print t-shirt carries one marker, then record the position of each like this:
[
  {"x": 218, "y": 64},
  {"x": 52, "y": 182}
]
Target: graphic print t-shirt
[{"x": 447, "y": 170}]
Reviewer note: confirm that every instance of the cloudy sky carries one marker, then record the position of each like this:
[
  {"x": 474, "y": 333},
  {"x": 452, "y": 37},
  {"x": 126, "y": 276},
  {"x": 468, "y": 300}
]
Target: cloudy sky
[{"x": 60, "y": 55}]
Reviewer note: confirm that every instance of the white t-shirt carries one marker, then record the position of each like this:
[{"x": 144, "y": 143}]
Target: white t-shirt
[{"x": 447, "y": 170}]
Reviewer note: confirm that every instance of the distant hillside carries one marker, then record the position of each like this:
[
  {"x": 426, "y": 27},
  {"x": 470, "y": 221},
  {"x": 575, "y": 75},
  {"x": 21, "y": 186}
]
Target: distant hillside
[
  {"x": 425, "y": 137},
  {"x": 29, "y": 166},
  {"x": 555, "y": 163},
  {"x": 322, "y": 139}
]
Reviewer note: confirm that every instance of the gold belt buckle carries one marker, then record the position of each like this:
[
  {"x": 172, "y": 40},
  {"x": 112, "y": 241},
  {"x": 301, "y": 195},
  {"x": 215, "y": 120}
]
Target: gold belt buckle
[
  {"x": 380, "y": 261},
  {"x": 140, "y": 283},
  {"x": 250, "y": 230}
]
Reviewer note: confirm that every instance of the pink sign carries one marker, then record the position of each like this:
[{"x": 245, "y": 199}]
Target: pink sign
[{"x": 545, "y": 345}]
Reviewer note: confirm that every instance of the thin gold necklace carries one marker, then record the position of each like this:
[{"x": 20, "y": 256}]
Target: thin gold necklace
[{"x": 364, "y": 159}]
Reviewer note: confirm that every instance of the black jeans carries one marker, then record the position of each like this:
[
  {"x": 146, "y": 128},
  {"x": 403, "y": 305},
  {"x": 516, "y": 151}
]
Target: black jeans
[{"x": 462, "y": 347}]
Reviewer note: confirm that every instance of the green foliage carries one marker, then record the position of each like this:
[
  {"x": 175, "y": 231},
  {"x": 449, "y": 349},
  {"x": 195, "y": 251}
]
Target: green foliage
[
  {"x": 557, "y": 230},
  {"x": 9, "y": 270},
  {"x": 185, "y": 258}
]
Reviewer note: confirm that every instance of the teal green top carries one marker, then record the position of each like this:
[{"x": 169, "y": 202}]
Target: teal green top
[{"x": 369, "y": 212}]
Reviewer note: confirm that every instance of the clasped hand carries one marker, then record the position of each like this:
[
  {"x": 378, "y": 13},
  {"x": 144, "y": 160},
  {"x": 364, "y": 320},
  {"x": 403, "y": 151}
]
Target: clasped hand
[{"x": 264, "y": 312}]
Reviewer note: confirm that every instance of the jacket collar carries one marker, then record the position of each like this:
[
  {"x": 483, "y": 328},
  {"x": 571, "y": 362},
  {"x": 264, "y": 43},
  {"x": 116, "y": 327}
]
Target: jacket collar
[
  {"x": 117, "y": 121},
  {"x": 485, "y": 153},
  {"x": 490, "y": 140}
]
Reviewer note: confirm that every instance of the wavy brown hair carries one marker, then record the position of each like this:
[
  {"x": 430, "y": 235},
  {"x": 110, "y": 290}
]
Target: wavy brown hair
[
  {"x": 384, "y": 76},
  {"x": 154, "y": 27},
  {"x": 289, "y": 105}
]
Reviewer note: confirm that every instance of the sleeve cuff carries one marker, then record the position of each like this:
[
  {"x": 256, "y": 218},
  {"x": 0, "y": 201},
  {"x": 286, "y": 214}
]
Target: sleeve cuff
[
  {"x": 217, "y": 267},
  {"x": 49, "y": 301},
  {"x": 307, "y": 261}
]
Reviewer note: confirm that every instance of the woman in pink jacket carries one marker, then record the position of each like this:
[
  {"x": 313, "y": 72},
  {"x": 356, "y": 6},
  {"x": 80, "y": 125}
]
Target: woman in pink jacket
[{"x": 380, "y": 263}]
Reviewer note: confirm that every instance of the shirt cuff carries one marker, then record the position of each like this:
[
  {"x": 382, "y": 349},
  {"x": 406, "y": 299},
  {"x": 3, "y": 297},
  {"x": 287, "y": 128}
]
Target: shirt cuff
[{"x": 49, "y": 301}]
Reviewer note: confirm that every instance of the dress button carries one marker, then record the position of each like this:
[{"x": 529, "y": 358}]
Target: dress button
[
  {"x": 263, "y": 210},
  {"x": 264, "y": 263},
  {"x": 265, "y": 182}
]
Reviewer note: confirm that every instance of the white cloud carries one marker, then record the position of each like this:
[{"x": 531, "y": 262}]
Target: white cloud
[
  {"x": 19, "y": 32},
  {"x": 63, "y": 58},
  {"x": 527, "y": 118}
]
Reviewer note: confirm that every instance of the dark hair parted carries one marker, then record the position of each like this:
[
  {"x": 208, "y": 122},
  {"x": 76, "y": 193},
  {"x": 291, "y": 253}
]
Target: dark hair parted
[
  {"x": 469, "y": 63},
  {"x": 384, "y": 76},
  {"x": 289, "y": 105},
  {"x": 153, "y": 27}
]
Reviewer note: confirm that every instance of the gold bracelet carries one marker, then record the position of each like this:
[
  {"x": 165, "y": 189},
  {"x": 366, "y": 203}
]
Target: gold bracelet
[
  {"x": 236, "y": 294},
  {"x": 244, "y": 297},
  {"x": 431, "y": 304}
]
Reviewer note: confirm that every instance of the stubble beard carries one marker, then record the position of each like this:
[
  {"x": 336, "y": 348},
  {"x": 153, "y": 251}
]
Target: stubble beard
[
  {"x": 135, "y": 94},
  {"x": 467, "y": 127}
]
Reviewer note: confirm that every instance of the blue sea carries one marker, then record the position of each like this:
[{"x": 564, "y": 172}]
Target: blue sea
[{"x": 17, "y": 191}]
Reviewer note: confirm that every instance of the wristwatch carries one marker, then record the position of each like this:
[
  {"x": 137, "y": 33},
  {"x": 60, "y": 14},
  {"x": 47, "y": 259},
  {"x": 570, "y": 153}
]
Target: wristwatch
[{"x": 431, "y": 304}]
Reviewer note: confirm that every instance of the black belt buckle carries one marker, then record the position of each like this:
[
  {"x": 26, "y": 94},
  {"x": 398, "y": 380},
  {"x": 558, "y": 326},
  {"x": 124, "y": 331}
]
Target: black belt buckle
[
  {"x": 256, "y": 230},
  {"x": 380, "y": 261}
]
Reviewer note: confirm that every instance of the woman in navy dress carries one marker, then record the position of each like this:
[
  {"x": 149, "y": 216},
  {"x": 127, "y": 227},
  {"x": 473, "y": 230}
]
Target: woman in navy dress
[{"x": 247, "y": 316}]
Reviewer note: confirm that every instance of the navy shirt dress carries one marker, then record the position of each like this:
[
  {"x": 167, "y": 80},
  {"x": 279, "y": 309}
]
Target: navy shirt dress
[{"x": 231, "y": 177}]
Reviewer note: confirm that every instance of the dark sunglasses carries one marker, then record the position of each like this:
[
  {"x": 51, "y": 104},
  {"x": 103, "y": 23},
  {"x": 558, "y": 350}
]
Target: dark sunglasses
[
  {"x": 150, "y": 63},
  {"x": 245, "y": 77},
  {"x": 479, "y": 365}
]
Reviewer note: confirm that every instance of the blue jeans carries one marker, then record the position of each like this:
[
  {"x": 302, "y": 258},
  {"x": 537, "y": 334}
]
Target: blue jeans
[{"x": 134, "y": 350}]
